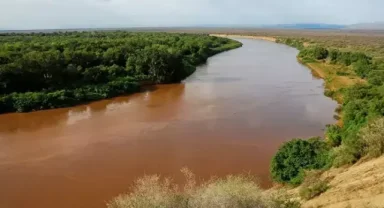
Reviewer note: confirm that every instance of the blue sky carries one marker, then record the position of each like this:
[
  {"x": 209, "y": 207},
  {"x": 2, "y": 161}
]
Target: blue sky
[{"x": 45, "y": 14}]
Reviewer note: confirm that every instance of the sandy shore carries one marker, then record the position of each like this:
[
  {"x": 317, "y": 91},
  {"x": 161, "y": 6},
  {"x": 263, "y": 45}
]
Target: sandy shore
[{"x": 272, "y": 39}]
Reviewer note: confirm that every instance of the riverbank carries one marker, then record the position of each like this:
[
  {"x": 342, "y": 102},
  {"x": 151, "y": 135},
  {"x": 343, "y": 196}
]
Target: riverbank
[
  {"x": 332, "y": 81},
  {"x": 267, "y": 38}
]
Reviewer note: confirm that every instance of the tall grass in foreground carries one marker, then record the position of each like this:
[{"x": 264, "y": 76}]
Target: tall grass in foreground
[{"x": 240, "y": 191}]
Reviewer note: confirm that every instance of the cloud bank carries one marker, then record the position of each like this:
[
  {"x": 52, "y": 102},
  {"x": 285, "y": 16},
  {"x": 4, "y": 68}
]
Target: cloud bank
[{"x": 46, "y": 14}]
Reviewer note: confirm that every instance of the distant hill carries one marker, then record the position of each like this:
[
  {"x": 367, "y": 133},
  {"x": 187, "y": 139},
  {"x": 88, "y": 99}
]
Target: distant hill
[
  {"x": 307, "y": 26},
  {"x": 367, "y": 26}
]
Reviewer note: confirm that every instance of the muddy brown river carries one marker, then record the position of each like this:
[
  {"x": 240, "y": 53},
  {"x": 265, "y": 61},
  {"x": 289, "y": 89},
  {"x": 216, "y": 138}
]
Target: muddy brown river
[{"x": 229, "y": 117}]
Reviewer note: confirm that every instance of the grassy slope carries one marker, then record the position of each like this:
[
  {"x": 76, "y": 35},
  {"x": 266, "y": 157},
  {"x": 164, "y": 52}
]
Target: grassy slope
[{"x": 358, "y": 186}]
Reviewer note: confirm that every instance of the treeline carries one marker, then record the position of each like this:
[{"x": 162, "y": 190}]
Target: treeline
[
  {"x": 362, "y": 111},
  {"x": 49, "y": 70}
]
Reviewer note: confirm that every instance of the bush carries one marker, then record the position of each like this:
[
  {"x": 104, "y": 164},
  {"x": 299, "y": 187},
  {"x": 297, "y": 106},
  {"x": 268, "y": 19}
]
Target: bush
[
  {"x": 333, "y": 134},
  {"x": 315, "y": 52},
  {"x": 296, "y": 156},
  {"x": 312, "y": 186},
  {"x": 348, "y": 153},
  {"x": 372, "y": 138}
]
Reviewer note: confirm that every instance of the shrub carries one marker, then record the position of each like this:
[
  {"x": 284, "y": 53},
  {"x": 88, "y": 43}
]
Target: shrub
[
  {"x": 285, "y": 203},
  {"x": 372, "y": 137},
  {"x": 296, "y": 156},
  {"x": 312, "y": 186},
  {"x": 333, "y": 134},
  {"x": 148, "y": 192},
  {"x": 230, "y": 192},
  {"x": 348, "y": 153},
  {"x": 233, "y": 191}
]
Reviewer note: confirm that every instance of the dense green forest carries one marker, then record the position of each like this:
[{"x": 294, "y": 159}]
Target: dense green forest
[
  {"x": 50, "y": 70},
  {"x": 361, "y": 134}
]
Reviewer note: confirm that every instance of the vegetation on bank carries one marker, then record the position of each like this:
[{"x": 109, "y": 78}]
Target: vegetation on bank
[
  {"x": 360, "y": 134},
  {"x": 297, "y": 155},
  {"x": 230, "y": 192},
  {"x": 50, "y": 70},
  {"x": 313, "y": 186}
]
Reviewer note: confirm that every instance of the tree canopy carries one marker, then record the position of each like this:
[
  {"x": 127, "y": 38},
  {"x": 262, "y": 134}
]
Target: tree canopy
[{"x": 92, "y": 62}]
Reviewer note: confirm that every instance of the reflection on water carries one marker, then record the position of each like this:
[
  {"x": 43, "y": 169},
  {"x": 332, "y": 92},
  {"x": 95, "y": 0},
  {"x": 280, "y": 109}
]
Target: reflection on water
[
  {"x": 227, "y": 118},
  {"x": 76, "y": 115}
]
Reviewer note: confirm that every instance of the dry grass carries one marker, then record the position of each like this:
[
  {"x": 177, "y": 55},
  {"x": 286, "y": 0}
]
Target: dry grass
[
  {"x": 358, "y": 186},
  {"x": 231, "y": 192},
  {"x": 148, "y": 192}
]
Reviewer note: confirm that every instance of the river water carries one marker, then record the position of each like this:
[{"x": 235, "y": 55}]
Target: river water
[{"x": 229, "y": 117}]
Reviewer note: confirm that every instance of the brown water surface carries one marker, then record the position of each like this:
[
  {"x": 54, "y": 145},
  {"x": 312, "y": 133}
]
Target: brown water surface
[{"x": 227, "y": 118}]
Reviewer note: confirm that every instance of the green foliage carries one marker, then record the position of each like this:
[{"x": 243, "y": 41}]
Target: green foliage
[
  {"x": 333, "y": 134},
  {"x": 29, "y": 101},
  {"x": 291, "y": 42},
  {"x": 362, "y": 64},
  {"x": 347, "y": 154},
  {"x": 361, "y": 103},
  {"x": 314, "y": 52},
  {"x": 306, "y": 60},
  {"x": 295, "y": 156},
  {"x": 376, "y": 77},
  {"x": 38, "y": 69},
  {"x": 363, "y": 67}
]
